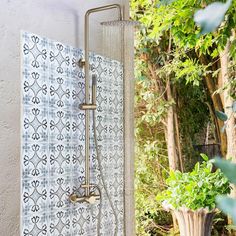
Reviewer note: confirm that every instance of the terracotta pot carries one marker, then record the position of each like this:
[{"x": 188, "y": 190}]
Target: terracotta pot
[{"x": 195, "y": 223}]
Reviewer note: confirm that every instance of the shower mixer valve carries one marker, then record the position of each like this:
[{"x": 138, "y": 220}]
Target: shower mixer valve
[
  {"x": 91, "y": 198},
  {"x": 81, "y": 63}
]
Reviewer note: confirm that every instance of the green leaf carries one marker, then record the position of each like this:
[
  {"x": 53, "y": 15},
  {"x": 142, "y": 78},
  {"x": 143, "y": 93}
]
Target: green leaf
[
  {"x": 212, "y": 16},
  {"x": 230, "y": 227},
  {"x": 228, "y": 168},
  {"x": 204, "y": 156},
  {"x": 227, "y": 205},
  {"x": 196, "y": 189},
  {"x": 221, "y": 115}
]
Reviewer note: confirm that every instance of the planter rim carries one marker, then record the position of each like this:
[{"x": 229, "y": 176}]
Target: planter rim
[
  {"x": 205, "y": 210},
  {"x": 169, "y": 207}
]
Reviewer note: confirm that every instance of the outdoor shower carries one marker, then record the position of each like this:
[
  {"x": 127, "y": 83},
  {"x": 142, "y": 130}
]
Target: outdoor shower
[
  {"x": 89, "y": 106},
  {"x": 90, "y": 196},
  {"x": 77, "y": 141}
]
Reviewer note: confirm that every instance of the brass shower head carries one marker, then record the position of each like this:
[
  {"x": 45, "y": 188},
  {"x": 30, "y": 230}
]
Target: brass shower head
[{"x": 120, "y": 23}]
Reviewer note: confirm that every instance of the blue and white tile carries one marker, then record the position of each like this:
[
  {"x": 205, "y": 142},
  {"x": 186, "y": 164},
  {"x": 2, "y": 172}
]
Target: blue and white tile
[{"x": 53, "y": 138}]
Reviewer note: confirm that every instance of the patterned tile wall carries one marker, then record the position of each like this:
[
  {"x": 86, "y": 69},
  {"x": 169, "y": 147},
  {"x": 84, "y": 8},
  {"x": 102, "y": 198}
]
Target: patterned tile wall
[{"x": 53, "y": 136}]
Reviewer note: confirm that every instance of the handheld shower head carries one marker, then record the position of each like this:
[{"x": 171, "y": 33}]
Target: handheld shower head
[{"x": 94, "y": 89}]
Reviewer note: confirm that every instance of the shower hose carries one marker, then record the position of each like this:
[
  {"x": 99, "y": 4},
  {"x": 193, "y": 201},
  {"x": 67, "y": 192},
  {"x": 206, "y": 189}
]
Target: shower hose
[{"x": 103, "y": 183}]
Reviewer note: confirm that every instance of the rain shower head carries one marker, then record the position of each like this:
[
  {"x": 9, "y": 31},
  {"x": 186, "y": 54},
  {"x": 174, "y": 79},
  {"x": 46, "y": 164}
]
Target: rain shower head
[
  {"x": 116, "y": 35},
  {"x": 120, "y": 23}
]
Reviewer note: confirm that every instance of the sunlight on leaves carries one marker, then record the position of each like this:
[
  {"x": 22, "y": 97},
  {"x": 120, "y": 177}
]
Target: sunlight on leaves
[
  {"x": 196, "y": 189},
  {"x": 204, "y": 156},
  {"x": 230, "y": 227}
]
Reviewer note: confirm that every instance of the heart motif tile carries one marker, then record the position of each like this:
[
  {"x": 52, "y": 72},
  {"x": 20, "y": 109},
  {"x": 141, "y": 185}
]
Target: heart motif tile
[{"x": 53, "y": 137}]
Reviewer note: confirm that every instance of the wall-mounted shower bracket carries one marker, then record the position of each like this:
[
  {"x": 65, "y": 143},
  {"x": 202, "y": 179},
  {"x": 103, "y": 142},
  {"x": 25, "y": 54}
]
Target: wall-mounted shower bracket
[
  {"x": 88, "y": 106},
  {"x": 81, "y": 63},
  {"x": 91, "y": 198},
  {"x": 91, "y": 106}
]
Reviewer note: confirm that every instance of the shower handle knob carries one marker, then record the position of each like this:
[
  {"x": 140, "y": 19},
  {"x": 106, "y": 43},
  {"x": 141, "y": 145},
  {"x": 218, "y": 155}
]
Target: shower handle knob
[
  {"x": 92, "y": 199},
  {"x": 74, "y": 198}
]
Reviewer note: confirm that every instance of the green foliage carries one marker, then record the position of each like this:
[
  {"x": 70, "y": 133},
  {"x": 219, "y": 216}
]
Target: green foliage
[
  {"x": 150, "y": 172},
  {"x": 230, "y": 227},
  {"x": 204, "y": 156},
  {"x": 159, "y": 19},
  {"x": 155, "y": 106},
  {"x": 193, "y": 115},
  {"x": 169, "y": 42},
  {"x": 196, "y": 189},
  {"x": 151, "y": 152},
  {"x": 151, "y": 155},
  {"x": 184, "y": 69}
]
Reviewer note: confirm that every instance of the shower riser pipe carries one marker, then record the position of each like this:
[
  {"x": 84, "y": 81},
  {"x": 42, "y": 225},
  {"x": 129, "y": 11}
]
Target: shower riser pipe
[{"x": 87, "y": 102}]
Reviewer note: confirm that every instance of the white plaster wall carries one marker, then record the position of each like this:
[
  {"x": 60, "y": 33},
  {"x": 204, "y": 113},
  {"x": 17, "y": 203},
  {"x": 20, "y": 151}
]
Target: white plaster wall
[{"x": 62, "y": 20}]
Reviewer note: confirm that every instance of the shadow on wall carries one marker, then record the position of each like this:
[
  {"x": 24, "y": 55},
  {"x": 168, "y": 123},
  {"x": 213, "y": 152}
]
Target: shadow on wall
[
  {"x": 78, "y": 11},
  {"x": 65, "y": 7}
]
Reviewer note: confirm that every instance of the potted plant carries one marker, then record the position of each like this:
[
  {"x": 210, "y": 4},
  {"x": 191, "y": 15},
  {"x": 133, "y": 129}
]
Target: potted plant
[{"x": 192, "y": 197}]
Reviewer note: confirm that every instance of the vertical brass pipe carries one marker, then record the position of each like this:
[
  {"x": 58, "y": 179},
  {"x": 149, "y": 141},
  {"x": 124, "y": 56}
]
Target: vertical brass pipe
[{"x": 87, "y": 83}]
